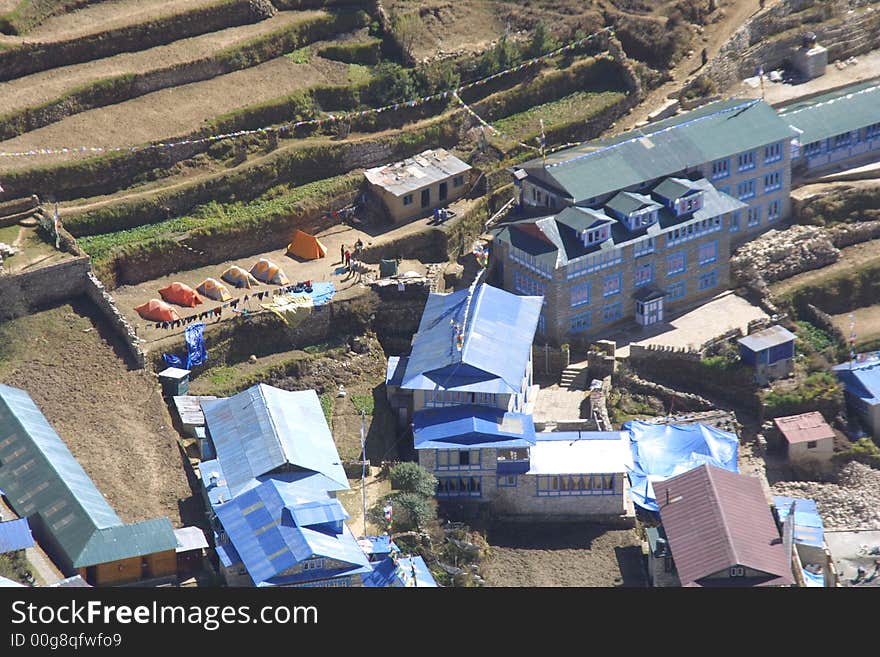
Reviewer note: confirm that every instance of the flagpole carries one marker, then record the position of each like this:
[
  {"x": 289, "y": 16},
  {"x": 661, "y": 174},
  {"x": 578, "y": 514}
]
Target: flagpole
[{"x": 364, "y": 466}]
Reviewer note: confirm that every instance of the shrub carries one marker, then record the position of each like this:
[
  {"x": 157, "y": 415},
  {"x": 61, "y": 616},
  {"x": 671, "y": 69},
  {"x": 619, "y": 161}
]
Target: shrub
[
  {"x": 410, "y": 511},
  {"x": 813, "y": 336},
  {"x": 542, "y": 41},
  {"x": 412, "y": 478},
  {"x": 864, "y": 451}
]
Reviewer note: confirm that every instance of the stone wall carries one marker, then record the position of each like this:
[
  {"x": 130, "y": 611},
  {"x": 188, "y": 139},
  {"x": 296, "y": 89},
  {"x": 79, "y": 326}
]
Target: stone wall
[
  {"x": 682, "y": 401},
  {"x": 549, "y": 361},
  {"x": 95, "y": 291},
  {"x": 780, "y": 254},
  {"x": 20, "y": 293}
]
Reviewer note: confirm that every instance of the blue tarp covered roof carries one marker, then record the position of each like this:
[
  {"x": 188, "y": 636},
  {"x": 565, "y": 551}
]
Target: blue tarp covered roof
[
  {"x": 474, "y": 426},
  {"x": 808, "y": 527},
  {"x": 263, "y": 428},
  {"x": 269, "y": 541},
  {"x": 394, "y": 371},
  {"x": 661, "y": 451},
  {"x": 15, "y": 535},
  {"x": 861, "y": 379},
  {"x": 498, "y": 329},
  {"x": 387, "y": 573}
]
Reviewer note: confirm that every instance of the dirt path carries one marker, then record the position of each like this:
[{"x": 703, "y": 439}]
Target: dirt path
[
  {"x": 173, "y": 111},
  {"x": 32, "y": 90},
  {"x": 113, "y": 419}
]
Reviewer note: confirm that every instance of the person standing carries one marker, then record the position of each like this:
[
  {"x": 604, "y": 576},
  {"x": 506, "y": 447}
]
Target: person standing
[
  {"x": 348, "y": 259},
  {"x": 342, "y": 254}
]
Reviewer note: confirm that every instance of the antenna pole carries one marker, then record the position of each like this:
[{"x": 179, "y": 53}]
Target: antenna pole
[{"x": 364, "y": 466}]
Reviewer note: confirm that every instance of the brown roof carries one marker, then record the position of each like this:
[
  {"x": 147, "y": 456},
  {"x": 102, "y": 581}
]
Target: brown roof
[
  {"x": 715, "y": 519},
  {"x": 804, "y": 427}
]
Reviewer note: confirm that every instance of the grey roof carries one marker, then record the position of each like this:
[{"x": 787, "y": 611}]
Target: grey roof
[
  {"x": 834, "y": 113},
  {"x": 675, "y": 188},
  {"x": 712, "y": 132},
  {"x": 190, "y": 538},
  {"x": 189, "y": 408},
  {"x": 263, "y": 428},
  {"x": 769, "y": 337},
  {"x": 629, "y": 202},
  {"x": 41, "y": 477},
  {"x": 416, "y": 172}
]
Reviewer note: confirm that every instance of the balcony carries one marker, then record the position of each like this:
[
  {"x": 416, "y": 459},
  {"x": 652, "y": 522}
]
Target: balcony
[{"x": 506, "y": 467}]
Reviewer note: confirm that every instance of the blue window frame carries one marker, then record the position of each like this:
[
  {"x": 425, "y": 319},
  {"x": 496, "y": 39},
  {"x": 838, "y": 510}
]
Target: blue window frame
[
  {"x": 579, "y": 294},
  {"x": 720, "y": 169},
  {"x": 735, "y": 218},
  {"x": 612, "y": 284},
  {"x": 677, "y": 290},
  {"x": 708, "y": 280},
  {"x": 565, "y": 485},
  {"x": 773, "y": 153},
  {"x": 746, "y": 189},
  {"x": 580, "y": 322},
  {"x": 773, "y": 181},
  {"x": 745, "y": 161},
  {"x": 459, "y": 487},
  {"x": 506, "y": 481},
  {"x": 754, "y": 217},
  {"x": 872, "y": 131},
  {"x": 773, "y": 210},
  {"x": 707, "y": 253},
  {"x": 542, "y": 324},
  {"x": 611, "y": 312},
  {"x": 676, "y": 263},
  {"x": 527, "y": 285},
  {"x": 457, "y": 459},
  {"x": 644, "y": 274}
]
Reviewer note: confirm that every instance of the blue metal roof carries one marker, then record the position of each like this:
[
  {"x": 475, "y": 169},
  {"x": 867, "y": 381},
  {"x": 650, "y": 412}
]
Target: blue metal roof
[
  {"x": 227, "y": 553},
  {"x": 15, "y": 535},
  {"x": 395, "y": 369},
  {"x": 398, "y": 573},
  {"x": 474, "y": 426},
  {"x": 861, "y": 379},
  {"x": 217, "y": 492},
  {"x": 808, "y": 527},
  {"x": 263, "y": 428},
  {"x": 270, "y": 543},
  {"x": 498, "y": 329}
]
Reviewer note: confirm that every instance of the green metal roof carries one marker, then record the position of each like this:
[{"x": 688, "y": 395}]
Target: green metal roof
[
  {"x": 40, "y": 476},
  {"x": 675, "y": 188},
  {"x": 629, "y": 202},
  {"x": 712, "y": 132},
  {"x": 834, "y": 113},
  {"x": 126, "y": 541}
]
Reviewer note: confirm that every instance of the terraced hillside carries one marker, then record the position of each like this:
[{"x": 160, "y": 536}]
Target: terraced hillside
[{"x": 114, "y": 110}]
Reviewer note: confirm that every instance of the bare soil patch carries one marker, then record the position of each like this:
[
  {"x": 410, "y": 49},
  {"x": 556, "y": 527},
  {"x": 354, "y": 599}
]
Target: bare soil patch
[
  {"x": 112, "y": 418},
  {"x": 580, "y": 554}
]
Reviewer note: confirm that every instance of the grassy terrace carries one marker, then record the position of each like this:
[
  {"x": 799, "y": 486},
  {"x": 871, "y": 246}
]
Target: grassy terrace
[{"x": 577, "y": 106}]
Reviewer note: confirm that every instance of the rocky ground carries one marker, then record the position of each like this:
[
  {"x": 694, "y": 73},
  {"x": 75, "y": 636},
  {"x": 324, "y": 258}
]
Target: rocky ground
[{"x": 780, "y": 254}]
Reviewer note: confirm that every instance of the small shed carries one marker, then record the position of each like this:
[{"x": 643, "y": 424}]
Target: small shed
[
  {"x": 770, "y": 352},
  {"x": 189, "y": 412},
  {"x": 191, "y": 546},
  {"x": 806, "y": 437},
  {"x": 175, "y": 381}
]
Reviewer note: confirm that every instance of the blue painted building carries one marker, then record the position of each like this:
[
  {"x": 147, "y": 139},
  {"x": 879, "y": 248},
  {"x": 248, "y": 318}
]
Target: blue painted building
[
  {"x": 271, "y": 491},
  {"x": 770, "y": 352},
  {"x": 861, "y": 387}
]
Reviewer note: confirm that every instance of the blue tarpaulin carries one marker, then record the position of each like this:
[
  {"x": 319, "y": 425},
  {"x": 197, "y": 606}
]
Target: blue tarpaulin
[
  {"x": 196, "y": 353},
  {"x": 661, "y": 451},
  {"x": 15, "y": 535}
]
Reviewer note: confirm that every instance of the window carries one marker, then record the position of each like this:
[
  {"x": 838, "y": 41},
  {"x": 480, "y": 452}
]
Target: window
[
  {"x": 745, "y": 189},
  {"x": 737, "y": 571},
  {"x": 542, "y": 325},
  {"x": 772, "y": 153},
  {"x": 459, "y": 487},
  {"x": 506, "y": 481},
  {"x": 724, "y": 190},
  {"x": 579, "y": 294},
  {"x": 407, "y": 200},
  {"x": 692, "y": 230},
  {"x": 721, "y": 169},
  {"x": 313, "y": 564},
  {"x": 842, "y": 141},
  {"x": 814, "y": 148},
  {"x": 676, "y": 263},
  {"x": 529, "y": 261},
  {"x": 772, "y": 181},
  {"x": 644, "y": 274},
  {"x": 527, "y": 285},
  {"x": 643, "y": 247},
  {"x": 735, "y": 218},
  {"x": 611, "y": 285},
  {"x": 448, "y": 459},
  {"x": 811, "y": 444},
  {"x": 594, "y": 262},
  {"x": 753, "y": 217},
  {"x": 677, "y": 291},
  {"x": 458, "y": 181},
  {"x": 611, "y": 312},
  {"x": 559, "y": 485},
  {"x": 773, "y": 210},
  {"x": 426, "y": 197},
  {"x": 580, "y": 322},
  {"x": 708, "y": 280},
  {"x": 745, "y": 161},
  {"x": 872, "y": 131},
  {"x": 708, "y": 252}
]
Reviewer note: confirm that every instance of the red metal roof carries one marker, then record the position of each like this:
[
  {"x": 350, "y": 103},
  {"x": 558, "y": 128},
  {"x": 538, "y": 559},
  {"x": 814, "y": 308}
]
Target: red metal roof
[
  {"x": 804, "y": 427},
  {"x": 715, "y": 519}
]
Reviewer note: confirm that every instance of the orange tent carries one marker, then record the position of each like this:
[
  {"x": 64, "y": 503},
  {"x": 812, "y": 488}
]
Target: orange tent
[
  {"x": 268, "y": 272},
  {"x": 239, "y": 277},
  {"x": 306, "y": 246},
  {"x": 181, "y": 294},
  {"x": 214, "y": 289},
  {"x": 157, "y": 311}
]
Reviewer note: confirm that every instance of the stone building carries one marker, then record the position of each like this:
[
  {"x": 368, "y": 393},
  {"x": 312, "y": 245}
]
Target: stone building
[
  {"x": 770, "y": 352},
  {"x": 806, "y": 437}
]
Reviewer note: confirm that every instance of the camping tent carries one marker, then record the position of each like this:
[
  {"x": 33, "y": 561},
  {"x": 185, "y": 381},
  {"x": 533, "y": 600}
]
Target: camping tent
[
  {"x": 157, "y": 311},
  {"x": 181, "y": 294},
  {"x": 387, "y": 268},
  {"x": 214, "y": 289},
  {"x": 268, "y": 272},
  {"x": 306, "y": 246},
  {"x": 239, "y": 277}
]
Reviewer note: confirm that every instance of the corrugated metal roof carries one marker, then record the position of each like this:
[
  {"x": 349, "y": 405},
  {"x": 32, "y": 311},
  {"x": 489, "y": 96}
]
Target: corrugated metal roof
[
  {"x": 395, "y": 369},
  {"x": 15, "y": 535},
  {"x": 475, "y": 426},
  {"x": 263, "y": 428},
  {"x": 674, "y": 188},
  {"x": 270, "y": 543},
  {"x": 190, "y": 538},
  {"x": 189, "y": 408},
  {"x": 808, "y": 526},
  {"x": 629, "y": 202},
  {"x": 126, "y": 541},
  {"x": 861, "y": 379},
  {"x": 715, "y": 519},
  {"x": 404, "y": 572},
  {"x": 586, "y": 452},
  {"x": 804, "y": 427},
  {"x": 769, "y": 337},
  {"x": 663, "y": 148},
  {"x": 426, "y": 168},
  {"x": 498, "y": 329},
  {"x": 834, "y": 113}
]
